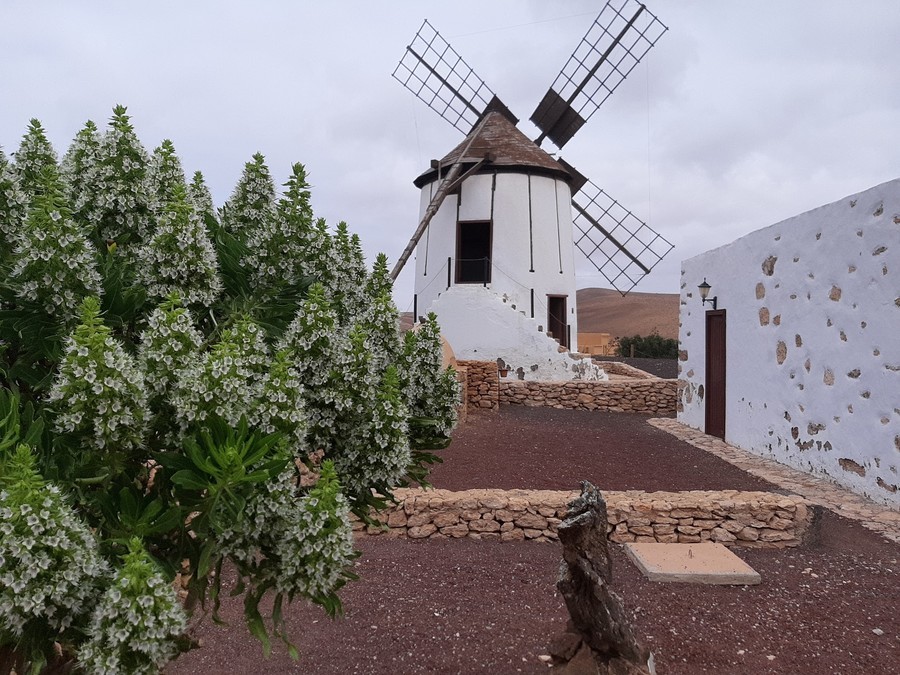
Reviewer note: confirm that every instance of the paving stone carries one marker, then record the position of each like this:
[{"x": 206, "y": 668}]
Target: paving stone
[{"x": 705, "y": 563}]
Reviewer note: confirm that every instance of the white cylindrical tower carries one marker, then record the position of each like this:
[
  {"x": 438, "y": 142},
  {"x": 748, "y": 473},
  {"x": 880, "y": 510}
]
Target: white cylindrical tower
[{"x": 506, "y": 230}]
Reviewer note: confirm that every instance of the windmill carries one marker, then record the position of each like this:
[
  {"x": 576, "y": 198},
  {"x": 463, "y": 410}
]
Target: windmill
[{"x": 540, "y": 207}]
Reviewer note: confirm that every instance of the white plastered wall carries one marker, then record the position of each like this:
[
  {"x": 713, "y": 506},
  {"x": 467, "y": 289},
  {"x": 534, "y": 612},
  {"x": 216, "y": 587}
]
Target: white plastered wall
[
  {"x": 812, "y": 341},
  {"x": 507, "y": 335}
]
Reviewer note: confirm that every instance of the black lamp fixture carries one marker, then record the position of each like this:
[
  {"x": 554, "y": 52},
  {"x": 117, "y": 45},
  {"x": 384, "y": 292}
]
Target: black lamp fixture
[{"x": 704, "y": 294}]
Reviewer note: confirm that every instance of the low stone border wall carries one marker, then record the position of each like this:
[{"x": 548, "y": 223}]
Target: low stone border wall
[
  {"x": 650, "y": 397},
  {"x": 731, "y": 517}
]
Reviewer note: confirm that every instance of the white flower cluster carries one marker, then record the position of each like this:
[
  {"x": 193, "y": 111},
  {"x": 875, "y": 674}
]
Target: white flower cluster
[
  {"x": 180, "y": 257},
  {"x": 381, "y": 321},
  {"x": 136, "y": 623},
  {"x": 301, "y": 542},
  {"x": 99, "y": 391},
  {"x": 316, "y": 344},
  {"x": 13, "y": 204},
  {"x": 167, "y": 346},
  {"x": 34, "y": 156},
  {"x": 49, "y": 564},
  {"x": 280, "y": 406},
  {"x": 319, "y": 259},
  {"x": 200, "y": 196},
  {"x": 77, "y": 169},
  {"x": 252, "y": 204},
  {"x": 164, "y": 175},
  {"x": 349, "y": 276},
  {"x": 278, "y": 245},
  {"x": 53, "y": 263},
  {"x": 431, "y": 390},
  {"x": 121, "y": 208},
  {"x": 224, "y": 381},
  {"x": 374, "y": 451}
]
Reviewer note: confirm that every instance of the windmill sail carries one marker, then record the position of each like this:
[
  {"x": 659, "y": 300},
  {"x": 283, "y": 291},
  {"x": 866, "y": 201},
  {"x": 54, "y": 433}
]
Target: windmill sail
[
  {"x": 434, "y": 72},
  {"x": 623, "y": 248},
  {"x": 620, "y": 36}
]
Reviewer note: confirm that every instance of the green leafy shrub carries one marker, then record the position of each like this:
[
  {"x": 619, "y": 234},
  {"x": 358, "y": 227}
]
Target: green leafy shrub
[{"x": 652, "y": 346}]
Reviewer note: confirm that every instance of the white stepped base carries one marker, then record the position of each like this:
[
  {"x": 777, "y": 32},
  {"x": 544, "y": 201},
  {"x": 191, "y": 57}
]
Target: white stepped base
[{"x": 479, "y": 325}]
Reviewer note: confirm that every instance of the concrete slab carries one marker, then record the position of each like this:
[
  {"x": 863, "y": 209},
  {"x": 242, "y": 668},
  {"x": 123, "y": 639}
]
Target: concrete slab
[{"x": 705, "y": 563}]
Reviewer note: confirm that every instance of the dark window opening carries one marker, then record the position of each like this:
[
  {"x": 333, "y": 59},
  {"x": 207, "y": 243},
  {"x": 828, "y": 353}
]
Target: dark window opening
[{"x": 473, "y": 252}]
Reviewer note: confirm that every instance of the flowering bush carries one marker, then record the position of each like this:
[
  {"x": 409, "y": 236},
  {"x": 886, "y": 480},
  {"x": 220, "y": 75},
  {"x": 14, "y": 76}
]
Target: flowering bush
[
  {"x": 50, "y": 565},
  {"x": 197, "y": 389},
  {"x": 137, "y": 622},
  {"x": 53, "y": 263}
]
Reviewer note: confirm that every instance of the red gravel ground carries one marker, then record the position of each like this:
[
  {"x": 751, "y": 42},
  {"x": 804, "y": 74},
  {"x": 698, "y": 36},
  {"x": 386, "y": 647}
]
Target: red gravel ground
[{"x": 464, "y": 606}]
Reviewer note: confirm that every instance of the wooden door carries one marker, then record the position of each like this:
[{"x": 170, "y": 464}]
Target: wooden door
[
  {"x": 715, "y": 373},
  {"x": 556, "y": 318}
]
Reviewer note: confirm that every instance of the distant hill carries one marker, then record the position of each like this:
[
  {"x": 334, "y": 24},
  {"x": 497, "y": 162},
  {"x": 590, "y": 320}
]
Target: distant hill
[{"x": 601, "y": 310}]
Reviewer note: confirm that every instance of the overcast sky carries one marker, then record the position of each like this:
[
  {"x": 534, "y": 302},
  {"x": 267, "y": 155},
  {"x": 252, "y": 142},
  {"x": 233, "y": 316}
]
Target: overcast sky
[{"x": 745, "y": 113}]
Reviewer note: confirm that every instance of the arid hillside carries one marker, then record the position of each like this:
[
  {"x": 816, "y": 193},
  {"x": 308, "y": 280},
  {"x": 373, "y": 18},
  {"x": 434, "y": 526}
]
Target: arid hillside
[{"x": 601, "y": 310}]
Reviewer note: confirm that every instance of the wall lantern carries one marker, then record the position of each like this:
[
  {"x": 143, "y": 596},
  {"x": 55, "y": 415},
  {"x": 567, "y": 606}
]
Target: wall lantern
[{"x": 704, "y": 294}]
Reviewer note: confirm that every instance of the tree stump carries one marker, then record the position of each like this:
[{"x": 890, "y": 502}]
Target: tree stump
[{"x": 599, "y": 637}]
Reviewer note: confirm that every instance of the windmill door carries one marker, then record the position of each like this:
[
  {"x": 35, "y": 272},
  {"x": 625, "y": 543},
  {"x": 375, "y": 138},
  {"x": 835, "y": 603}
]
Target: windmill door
[
  {"x": 473, "y": 252},
  {"x": 556, "y": 319},
  {"x": 715, "y": 373}
]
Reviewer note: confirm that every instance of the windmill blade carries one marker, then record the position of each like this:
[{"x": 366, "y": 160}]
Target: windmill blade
[
  {"x": 432, "y": 70},
  {"x": 620, "y": 36},
  {"x": 623, "y": 248}
]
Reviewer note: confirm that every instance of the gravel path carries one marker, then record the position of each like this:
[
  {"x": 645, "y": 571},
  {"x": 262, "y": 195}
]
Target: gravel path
[{"x": 463, "y": 606}]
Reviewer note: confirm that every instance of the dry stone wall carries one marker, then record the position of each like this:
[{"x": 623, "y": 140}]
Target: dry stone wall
[
  {"x": 731, "y": 517},
  {"x": 649, "y": 396},
  {"x": 482, "y": 385}
]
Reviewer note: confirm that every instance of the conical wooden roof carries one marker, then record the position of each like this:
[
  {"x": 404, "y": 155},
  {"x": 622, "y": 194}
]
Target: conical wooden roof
[{"x": 509, "y": 148}]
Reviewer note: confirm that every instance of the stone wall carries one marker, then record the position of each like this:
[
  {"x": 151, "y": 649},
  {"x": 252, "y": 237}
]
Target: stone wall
[
  {"x": 733, "y": 518},
  {"x": 482, "y": 385},
  {"x": 652, "y": 396}
]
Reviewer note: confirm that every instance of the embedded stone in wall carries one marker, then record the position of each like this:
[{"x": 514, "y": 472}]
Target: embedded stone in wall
[
  {"x": 768, "y": 266},
  {"x": 828, "y": 377},
  {"x": 850, "y": 465},
  {"x": 834, "y": 294},
  {"x": 763, "y": 316},
  {"x": 890, "y": 487},
  {"x": 798, "y": 340},
  {"x": 760, "y": 291},
  {"x": 780, "y": 352}
]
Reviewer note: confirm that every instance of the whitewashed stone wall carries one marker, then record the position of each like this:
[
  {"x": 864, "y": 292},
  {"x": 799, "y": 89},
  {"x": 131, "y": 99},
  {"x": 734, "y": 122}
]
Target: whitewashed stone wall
[
  {"x": 813, "y": 341},
  {"x": 483, "y": 326}
]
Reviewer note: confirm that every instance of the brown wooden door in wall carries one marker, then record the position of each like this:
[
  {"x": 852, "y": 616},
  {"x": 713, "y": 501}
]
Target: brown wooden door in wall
[
  {"x": 715, "y": 373},
  {"x": 556, "y": 318}
]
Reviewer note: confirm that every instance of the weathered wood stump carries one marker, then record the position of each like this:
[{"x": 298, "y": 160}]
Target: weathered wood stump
[{"x": 599, "y": 638}]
